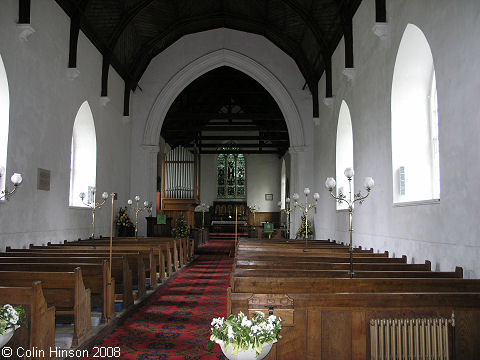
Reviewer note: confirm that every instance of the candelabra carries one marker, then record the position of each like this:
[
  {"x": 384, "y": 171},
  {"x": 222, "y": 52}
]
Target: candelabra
[
  {"x": 16, "y": 180},
  {"x": 253, "y": 209},
  {"x": 203, "y": 208},
  {"x": 137, "y": 209},
  {"x": 307, "y": 206},
  {"x": 286, "y": 211},
  {"x": 368, "y": 184},
  {"x": 93, "y": 205}
]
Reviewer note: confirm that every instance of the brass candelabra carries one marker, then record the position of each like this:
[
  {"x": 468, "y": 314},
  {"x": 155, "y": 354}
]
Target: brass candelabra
[
  {"x": 306, "y": 206},
  {"x": 203, "y": 208},
  {"x": 286, "y": 211},
  {"x": 253, "y": 209},
  {"x": 16, "y": 180},
  {"x": 342, "y": 198},
  {"x": 146, "y": 206},
  {"x": 93, "y": 205}
]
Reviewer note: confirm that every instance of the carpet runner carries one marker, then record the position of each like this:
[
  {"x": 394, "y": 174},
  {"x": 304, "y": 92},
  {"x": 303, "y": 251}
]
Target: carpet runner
[{"x": 175, "y": 323}]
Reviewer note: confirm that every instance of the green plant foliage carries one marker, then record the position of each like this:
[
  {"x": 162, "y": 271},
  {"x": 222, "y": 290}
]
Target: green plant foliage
[
  {"x": 243, "y": 333},
  {"x": 10, "y": 317},
  {"x": 301, "y": 230},
  {"x": 181, "y": 229}
]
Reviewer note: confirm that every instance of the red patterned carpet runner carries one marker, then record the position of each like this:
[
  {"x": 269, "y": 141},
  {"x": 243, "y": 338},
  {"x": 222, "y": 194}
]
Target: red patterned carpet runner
[{"x": 175, "y": 323}]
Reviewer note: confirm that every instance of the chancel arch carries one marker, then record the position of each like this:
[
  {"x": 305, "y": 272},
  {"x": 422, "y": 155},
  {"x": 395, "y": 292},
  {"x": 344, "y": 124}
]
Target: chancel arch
[
  {"x": 344, "y": 151},
  {"x": 415, "y": 143},
  {"x": 83, "y": 157},
  {"x": 4, "y": 122}
]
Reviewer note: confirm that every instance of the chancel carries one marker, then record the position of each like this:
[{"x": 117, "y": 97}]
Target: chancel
[{"x": 213, "y": 125}]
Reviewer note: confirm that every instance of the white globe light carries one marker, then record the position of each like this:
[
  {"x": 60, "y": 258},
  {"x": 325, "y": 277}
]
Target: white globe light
[
  {"x": 129, "y": 202},
  {"x": 296, "y": 196},
  {"x": 316, "y": 196},
  {"x": 82, "y": 195},
  {"x": 306, "y": 191},
  {"x": 145, "y": 203},
  {"x": 105, "y": 195},
  {"x": 16, "y": 179},
  {"x": 349, "y": 173},
  {"x": 137, "y": 198},
  {"x": 368, "y": 183},
  {"x": 330, "y": 183},
  {"x": 287, "y": 200}
]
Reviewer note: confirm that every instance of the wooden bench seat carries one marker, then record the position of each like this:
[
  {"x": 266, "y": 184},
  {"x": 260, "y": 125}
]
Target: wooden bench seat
[
  {"x": 95, "y": 279},
  {"x": 63, "y": 290},
  {"x": 120, "y": 270},
  {"x": 299, "y": 273},
  {"x": 154, "y": 254},
  {"x": 40, "y": 330},
  {"x": 135, "y": 259},
  {"x": 321, "y": 265}
]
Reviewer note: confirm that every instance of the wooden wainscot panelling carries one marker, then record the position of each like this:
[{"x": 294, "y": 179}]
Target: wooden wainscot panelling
[
  {"x": 337, "y": 335},
  {"x": 314, "y": 335},
  {"x": 276, "y": 304}
]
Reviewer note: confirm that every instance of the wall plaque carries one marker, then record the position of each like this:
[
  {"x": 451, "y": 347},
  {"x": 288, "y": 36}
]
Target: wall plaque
[{"x": 43, "y": 179}]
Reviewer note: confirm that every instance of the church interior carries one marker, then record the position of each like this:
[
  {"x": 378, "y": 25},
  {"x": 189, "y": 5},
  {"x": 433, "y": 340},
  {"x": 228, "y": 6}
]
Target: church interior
[{"x": 166, "y": 163}]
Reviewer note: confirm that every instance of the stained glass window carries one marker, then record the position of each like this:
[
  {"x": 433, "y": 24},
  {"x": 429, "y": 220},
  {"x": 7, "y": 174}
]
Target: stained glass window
[{"x": 231, "y": 182}]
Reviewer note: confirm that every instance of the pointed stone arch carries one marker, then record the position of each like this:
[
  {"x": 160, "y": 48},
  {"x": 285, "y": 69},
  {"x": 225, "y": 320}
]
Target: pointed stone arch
[{"x": 210, "y": 61}]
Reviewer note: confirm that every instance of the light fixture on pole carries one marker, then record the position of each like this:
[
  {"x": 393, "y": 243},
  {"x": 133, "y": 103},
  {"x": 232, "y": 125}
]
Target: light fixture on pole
[
  {"x": 306, "y": 206},
  {"x": 203, "y": 208},
  {"x": 16, "y": 180},
  {"x": 287, "y": 211},
  {"x": 93, "y": 205},
  {"x": 342, "y": 198},
  {"x": 137, "y": 209},
  {"x": 253, "y": 209}
]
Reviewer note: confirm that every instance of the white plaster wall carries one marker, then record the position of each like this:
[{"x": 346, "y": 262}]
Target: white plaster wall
[
  {"x": 263, "y": 177},
  {"x": 43, "y": 106},
  {"x": 192, "y": 47},
  {"x": 446, "y": 233}
]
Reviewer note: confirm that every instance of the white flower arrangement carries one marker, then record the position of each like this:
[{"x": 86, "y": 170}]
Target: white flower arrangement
[
  {"x": 243, "y": 333},
  {"x": 10, "y": 317}
]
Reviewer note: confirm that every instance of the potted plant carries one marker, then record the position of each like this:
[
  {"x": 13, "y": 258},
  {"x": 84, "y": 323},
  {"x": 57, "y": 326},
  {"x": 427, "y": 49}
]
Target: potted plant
[
  {"x": 181, "y": 229},
  {"x": 124, "y": 225},
  {"x": 244, "y": 339},
  {"x": 10, "y": 319},
  {"x": 301, "y": 229}
]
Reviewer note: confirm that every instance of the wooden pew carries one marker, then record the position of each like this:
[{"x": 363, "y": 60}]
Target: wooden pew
[
  {"x": 40, "y": 330},
  {"x": 120, "y": 270},
  {"x": 299, "y": 273},
  {"x": 153, "y": 253},
  {"x": 64, "y": 290},
  {"x": 321, "y": 265},
  {"x": 135, "y": 260},
  {"x": 95, "y": 278}
]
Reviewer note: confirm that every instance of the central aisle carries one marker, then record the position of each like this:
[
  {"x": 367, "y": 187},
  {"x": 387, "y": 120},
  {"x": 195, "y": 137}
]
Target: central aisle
[{"x": 175, "y": 323}]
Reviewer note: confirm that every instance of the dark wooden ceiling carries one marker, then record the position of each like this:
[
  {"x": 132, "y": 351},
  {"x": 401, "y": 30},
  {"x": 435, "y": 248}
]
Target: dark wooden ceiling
[
  {"x": 129, "y": 33},
  {"x": 225, "y": 109}
]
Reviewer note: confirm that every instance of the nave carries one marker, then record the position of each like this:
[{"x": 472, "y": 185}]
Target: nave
[{"x": 175, "y": 323}]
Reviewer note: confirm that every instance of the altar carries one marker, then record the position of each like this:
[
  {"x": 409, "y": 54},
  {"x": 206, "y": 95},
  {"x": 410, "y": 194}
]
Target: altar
[{"x": 227, "y": 226}]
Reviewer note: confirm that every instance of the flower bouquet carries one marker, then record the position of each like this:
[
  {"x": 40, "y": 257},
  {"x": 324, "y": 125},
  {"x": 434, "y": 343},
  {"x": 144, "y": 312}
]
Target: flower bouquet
[
  {"x": 238, "y": 334},
  {"x": 10, "y": 319},
  {"x": 123, "y": 222}
]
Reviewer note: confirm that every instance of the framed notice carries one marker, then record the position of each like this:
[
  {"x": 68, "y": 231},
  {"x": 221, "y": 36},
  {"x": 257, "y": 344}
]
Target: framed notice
[
  {"x": 268, "y": 197},
  {"x": 161, "y": 219},
  {"x": 43, "y": 179}
]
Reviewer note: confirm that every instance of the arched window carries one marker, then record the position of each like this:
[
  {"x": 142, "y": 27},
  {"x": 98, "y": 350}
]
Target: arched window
[
  {"x": 344, "y": 151},
  {"x": 83, "y": 161},
  {"x": 231, "y": 182},
  {"x": 4, "y": 121},
  {"x": 415, "y": 146}
]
